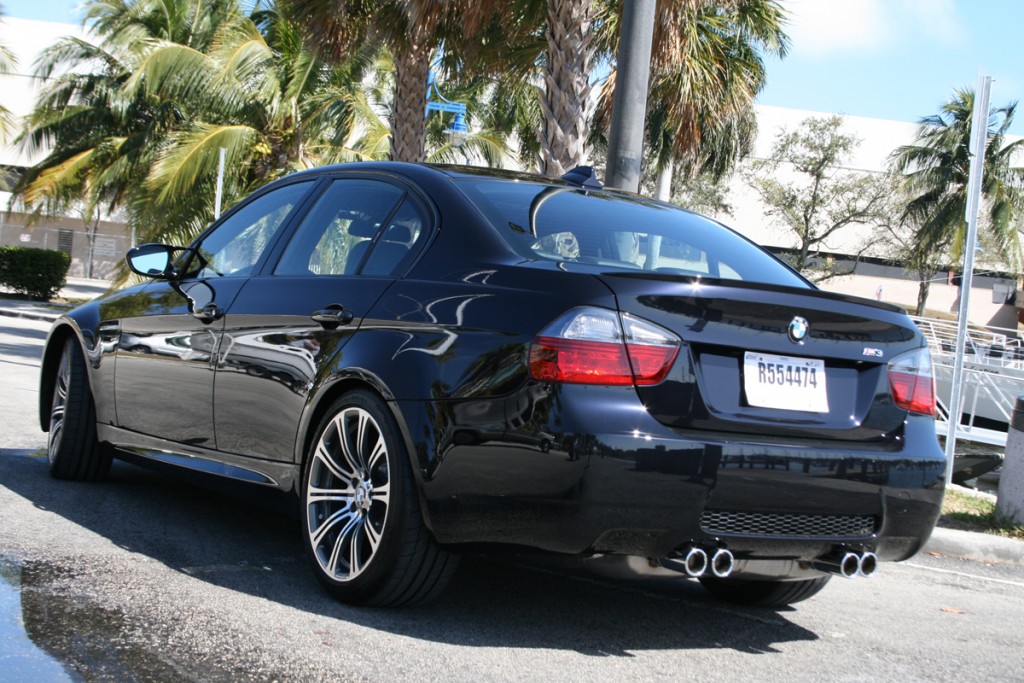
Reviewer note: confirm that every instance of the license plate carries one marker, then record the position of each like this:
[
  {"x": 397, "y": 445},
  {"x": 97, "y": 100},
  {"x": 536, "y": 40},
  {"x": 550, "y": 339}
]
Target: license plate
[{"x": 785, "y": 382}]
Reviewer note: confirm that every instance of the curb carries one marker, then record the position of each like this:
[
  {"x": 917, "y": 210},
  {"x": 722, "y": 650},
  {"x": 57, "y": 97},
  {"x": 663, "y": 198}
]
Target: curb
[
  {"x": 971, "y": 545},
  {"x": 43, "y": 316}
]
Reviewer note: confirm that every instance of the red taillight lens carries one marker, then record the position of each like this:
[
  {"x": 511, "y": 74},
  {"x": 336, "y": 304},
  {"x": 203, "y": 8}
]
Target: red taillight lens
[
  {"x": 912, "y": 383},
  {"x": 598, "y": 346},
  {"x": 579, "y": 362}
]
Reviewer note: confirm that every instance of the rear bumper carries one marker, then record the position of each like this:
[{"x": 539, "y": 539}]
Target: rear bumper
[{"x": 580, "y": 470}]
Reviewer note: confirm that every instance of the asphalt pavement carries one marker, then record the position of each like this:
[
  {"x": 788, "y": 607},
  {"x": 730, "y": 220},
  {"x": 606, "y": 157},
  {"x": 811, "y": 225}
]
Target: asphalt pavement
[{"x": 944, "y": 542}]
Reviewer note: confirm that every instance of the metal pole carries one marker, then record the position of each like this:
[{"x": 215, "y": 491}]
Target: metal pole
[
  {"x": 629, "y": 104},
  {"x": 220, "y": 184},
  {"x": 979, "y": 138}
]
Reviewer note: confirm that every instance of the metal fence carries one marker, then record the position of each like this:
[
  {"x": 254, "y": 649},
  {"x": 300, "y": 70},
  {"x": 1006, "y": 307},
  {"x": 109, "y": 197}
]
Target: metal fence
[{"x": 92, "y": 256}]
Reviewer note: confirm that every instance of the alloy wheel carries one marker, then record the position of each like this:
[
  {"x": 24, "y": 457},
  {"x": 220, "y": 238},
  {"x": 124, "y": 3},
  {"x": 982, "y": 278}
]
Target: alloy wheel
[
  {"x": 59, "y": 406},
  {"x": 348, "y": 494}
]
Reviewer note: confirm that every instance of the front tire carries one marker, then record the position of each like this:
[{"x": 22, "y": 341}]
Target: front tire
[
  {"x": 361, "y": 519},
  {"x": 763, "y": 593},
  {"x": 72, "y": 448}
]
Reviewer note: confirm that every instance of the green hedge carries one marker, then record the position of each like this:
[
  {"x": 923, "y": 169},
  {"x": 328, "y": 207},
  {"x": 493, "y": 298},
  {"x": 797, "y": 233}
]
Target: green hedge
[{"x": 39, "y": 273}]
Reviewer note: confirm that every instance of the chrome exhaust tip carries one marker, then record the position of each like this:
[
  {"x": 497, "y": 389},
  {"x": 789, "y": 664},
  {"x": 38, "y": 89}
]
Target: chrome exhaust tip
[
  {"x": 722, "y": 563},
  {"x": 846, "y": 565},
  {"x": 695, "y": 562},
  {"x": 867, "y": 565}
]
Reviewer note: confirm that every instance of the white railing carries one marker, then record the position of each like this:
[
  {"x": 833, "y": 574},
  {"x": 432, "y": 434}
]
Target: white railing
[{"x": 993, "y": 375}]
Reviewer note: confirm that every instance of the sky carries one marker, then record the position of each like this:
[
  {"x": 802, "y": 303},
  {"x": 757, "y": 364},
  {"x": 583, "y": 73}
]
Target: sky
[{"x": 888, "y": 59}]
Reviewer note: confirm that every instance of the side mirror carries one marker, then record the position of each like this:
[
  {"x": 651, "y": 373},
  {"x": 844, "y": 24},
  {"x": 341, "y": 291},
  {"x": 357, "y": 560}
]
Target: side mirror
[{"x": 153, "y": 260}]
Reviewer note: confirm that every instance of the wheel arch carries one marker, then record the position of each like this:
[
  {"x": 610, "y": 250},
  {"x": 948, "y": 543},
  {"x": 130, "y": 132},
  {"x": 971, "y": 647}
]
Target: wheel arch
[
  {"x": 63, "y": 330},
  {"x": 354, "y": 379}
]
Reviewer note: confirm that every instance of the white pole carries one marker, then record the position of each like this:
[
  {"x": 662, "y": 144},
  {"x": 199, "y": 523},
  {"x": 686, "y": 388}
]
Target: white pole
[
  {"x": 220, "y": 184},
  {"x": 979, "y": 138}
]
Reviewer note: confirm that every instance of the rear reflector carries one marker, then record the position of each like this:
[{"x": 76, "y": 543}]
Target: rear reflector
[
  {"x": 592, "y": 345},
  {"x": 912, "y": 383}
]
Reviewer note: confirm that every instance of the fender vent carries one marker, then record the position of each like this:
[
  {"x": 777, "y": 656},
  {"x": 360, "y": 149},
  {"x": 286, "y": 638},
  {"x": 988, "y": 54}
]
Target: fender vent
[{"x": 787, "y": 524}]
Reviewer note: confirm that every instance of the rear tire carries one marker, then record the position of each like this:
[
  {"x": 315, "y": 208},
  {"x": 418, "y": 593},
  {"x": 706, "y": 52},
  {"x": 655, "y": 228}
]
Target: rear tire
[
  {"x": 361, "y": 521},
  {"x": 72, "y": 448},
  {"x": 763, "y": 593}
]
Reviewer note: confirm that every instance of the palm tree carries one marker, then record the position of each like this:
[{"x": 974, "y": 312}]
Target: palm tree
[
  {"x": 144, "y": 132},
  {"x": 411, "y": 31},
  {"x": 100, "y": 140},
  {"x": 935, "y": 171},
  {"x": 8, "y": 62},
  {"x": 706, "y": 70}
]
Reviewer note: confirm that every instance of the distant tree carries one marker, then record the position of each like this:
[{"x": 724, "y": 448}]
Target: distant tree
[
  {"x": 900, "y": 240},
  {"x": 807, "y": 190},
  {"x": 935, "y": 171}
]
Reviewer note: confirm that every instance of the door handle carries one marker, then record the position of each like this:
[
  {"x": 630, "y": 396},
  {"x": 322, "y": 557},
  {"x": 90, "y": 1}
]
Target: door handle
[
  {"x": 333, "y": 316},
  {"x": 208, "y": 313}
]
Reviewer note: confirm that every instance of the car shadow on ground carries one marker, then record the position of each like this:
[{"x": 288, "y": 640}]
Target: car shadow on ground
[
  {"x": 508, "y": 601},
  {"x": 30, "y": 350}
]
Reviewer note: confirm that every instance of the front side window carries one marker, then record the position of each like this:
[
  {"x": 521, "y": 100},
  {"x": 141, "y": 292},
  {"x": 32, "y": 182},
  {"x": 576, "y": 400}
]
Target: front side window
[
  {"x": 617, "y": 232},
  {"x": 234, "y": 248}
]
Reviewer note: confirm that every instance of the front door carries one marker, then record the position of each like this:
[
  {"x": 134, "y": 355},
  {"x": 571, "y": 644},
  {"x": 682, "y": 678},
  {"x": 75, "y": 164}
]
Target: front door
[{"x": 171, "y": 331}]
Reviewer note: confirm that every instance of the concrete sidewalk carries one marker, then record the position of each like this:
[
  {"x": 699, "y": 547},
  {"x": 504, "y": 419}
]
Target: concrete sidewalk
[{"x": 76, "y": 289}]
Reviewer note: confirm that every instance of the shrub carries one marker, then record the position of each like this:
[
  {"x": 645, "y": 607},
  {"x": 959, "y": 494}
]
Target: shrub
[{"x": 39, "y": 273}]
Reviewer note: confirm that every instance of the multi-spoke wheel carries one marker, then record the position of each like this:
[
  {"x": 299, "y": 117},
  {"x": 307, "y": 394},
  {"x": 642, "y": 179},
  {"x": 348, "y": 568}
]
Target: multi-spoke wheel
[
  {"x": 361, "y": 518},
  {"x": 71, "y": 447}
]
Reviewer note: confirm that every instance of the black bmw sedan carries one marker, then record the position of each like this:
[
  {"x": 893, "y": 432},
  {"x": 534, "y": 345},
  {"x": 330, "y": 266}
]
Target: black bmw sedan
[{"x": 432, "y": 358}]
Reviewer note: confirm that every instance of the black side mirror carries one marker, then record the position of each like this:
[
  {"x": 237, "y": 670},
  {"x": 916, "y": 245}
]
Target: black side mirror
[{"x": 153, "y": 260}]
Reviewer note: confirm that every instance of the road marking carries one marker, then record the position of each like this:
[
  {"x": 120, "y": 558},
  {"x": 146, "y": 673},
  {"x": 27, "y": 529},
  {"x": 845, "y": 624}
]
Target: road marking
[{"x": 964, "y": 574}]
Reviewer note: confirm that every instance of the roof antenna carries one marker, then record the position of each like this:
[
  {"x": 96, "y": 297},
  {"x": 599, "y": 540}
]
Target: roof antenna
[{"x": 583, "y": 176}]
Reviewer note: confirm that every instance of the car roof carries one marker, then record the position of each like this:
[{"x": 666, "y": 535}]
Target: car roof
[{"x": 450, "y": 170}]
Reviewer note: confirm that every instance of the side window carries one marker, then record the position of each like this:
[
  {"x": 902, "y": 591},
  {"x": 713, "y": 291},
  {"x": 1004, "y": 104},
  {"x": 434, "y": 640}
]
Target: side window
[
  {"x": 234, "y": 248},
  {"x": 395, "y": 244},
  {"x": 338, "y": 232}
]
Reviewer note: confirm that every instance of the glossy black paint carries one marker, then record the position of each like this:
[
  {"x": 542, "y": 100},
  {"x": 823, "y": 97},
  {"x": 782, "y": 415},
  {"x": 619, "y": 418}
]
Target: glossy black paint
[{"x": 498, "y": 456}]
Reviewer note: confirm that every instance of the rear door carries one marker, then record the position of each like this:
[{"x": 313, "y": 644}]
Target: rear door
[{"x": 289, "y": 323}]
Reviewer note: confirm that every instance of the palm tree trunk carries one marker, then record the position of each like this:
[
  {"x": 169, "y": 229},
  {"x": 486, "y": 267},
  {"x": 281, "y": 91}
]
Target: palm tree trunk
[
  {"x": 409, "y": 105},
  {"x": 566, "y": 106},
  {"x": 663, "y": 185},
  {"x": 922, "y": 294}
]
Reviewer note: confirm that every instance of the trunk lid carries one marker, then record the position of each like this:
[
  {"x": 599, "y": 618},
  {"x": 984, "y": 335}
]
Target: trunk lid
[{"x": 770, "y": 359}]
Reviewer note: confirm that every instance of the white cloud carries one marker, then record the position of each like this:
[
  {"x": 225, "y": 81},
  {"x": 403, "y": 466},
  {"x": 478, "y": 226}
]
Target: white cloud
[
  {"x": 819, "y": 27},
  {"x": 825, "y": 27}
]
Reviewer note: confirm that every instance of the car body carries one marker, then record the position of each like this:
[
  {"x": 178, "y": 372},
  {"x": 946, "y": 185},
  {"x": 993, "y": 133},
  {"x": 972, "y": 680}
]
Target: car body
[{"x": 431, "y": 358}]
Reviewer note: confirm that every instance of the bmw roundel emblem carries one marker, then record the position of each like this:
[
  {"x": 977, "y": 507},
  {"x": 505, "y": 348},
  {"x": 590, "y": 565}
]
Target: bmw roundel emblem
[{"x": 798, "y": 328}]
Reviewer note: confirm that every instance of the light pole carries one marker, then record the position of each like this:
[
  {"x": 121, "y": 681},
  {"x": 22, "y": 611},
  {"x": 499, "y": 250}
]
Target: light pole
[{"x": 459, "y": 131}]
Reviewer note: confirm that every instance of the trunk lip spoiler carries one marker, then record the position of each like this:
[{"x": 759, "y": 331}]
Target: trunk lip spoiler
[{"x": 760, "y": 286}]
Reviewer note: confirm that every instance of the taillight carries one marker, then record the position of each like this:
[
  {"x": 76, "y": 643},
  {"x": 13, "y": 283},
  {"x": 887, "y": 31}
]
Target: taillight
[
  {"x": 599, "y": 346},
  {"x": 912, "y": 382}
]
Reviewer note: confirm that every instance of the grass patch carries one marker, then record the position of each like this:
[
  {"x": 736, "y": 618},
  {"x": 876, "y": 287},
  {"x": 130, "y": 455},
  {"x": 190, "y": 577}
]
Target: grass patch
[{"x": 972, "y": 513}]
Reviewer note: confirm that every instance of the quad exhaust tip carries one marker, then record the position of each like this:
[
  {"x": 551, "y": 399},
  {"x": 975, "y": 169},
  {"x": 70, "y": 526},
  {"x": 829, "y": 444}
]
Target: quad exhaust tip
[
  {"x": 849, "y": 564},
  {"x": 697, "y": 562},
  {"x": 722, "y": 563}
]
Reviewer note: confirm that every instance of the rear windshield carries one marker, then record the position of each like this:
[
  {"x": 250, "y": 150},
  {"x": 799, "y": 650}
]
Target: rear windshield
[{"x": 616, "y": 232}]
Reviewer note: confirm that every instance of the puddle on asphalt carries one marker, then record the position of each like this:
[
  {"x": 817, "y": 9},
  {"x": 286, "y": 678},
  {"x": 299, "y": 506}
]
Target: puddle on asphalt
[
  {"x": 20, "y": 658},
  {"x": 48, "y": 635}
]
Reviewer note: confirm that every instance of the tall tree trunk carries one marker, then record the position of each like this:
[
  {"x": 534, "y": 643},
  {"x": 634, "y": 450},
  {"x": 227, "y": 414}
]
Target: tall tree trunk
[
  {"x": 566, "y": 107},
  {"x": 409, "y": 105},
  {"x": 922, "y": 294}
]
